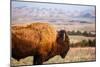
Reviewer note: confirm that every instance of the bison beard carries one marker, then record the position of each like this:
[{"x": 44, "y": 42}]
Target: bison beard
[{"x": 40, "y": 40}]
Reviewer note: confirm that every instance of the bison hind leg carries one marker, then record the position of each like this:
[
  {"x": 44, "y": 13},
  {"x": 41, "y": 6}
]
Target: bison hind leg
[{"x": 37, "y": 60}]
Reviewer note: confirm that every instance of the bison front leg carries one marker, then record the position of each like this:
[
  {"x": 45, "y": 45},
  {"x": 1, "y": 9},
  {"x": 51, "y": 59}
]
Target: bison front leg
[{"x": 37, "y": 60}]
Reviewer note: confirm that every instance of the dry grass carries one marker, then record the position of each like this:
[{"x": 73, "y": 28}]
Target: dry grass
[
  {"x": 77, "y": 26},
  {"x": 78, "y": 38},
  {"x": 74, "y": 55}
]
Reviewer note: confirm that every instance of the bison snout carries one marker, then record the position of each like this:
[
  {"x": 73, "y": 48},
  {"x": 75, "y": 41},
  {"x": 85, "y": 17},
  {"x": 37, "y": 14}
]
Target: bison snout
[{"x": 63, "y": 55}]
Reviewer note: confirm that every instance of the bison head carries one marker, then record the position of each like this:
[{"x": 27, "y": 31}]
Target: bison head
[{"x": 63, "y": 43}]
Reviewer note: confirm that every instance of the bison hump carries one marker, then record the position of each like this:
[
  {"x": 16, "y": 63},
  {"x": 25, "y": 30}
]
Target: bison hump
[{"x": 37, "y": 33}]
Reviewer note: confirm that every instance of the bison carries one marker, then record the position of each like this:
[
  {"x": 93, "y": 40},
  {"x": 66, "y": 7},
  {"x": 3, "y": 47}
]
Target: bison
[{"x": 40, "y": 40}]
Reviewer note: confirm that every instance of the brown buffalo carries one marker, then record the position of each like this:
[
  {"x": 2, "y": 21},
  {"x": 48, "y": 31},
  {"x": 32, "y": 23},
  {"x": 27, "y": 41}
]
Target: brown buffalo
[{"x": 40, "y": 40}]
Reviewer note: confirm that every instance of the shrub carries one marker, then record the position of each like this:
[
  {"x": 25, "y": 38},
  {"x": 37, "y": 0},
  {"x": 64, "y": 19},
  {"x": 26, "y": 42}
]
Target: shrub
[
  {"x": 84, "y": 43},
  {"x": 85, "y": 33}
]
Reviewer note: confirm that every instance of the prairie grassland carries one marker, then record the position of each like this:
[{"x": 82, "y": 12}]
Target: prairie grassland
[
  {"x": 74, "y": 55},
  {"x": 77, "y": 26},
  {"x": 78, "y": 38}
]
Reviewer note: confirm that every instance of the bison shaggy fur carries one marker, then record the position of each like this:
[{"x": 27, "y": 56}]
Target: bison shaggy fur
[{"x": 40, "y": 40}]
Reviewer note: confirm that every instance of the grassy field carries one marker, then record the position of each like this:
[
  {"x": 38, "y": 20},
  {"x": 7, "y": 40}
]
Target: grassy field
[
  {"x": 77, "y": 26},
  {"x": 74, "y": 55},
  {"x": 78, "y": 38}
]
